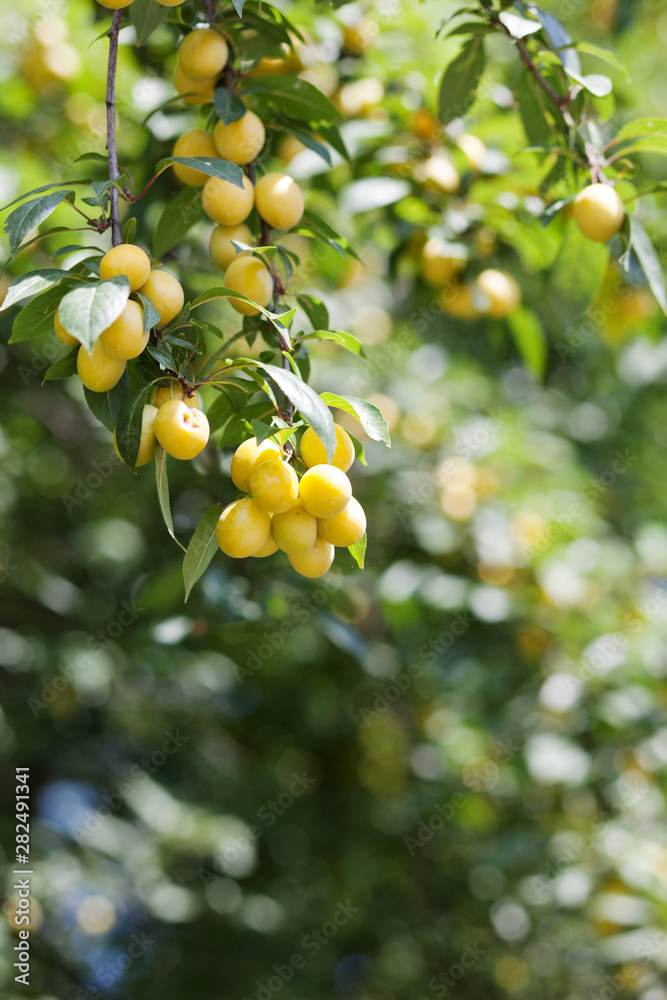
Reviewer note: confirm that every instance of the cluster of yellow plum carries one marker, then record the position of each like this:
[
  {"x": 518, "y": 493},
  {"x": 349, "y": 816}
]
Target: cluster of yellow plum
[
  {"x": 116, "y": 4},
  {"x": 181, "y": 429},
  {"x": 277, "y": 197},
  {"x": 306, "y": 518}
]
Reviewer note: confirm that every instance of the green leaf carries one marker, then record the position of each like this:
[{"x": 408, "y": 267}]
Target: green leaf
[
  {"x": 368, "y": 415},
  {"x": 31, "y": 214},
  {"x": 179, "y": 215},
  {"x": 63, "y": 368},
  {"x": 529, "y": 338},
  {"x": 49, "y": 187},
  {"x": 594, "y": 83},
  {"x": 577, "y": 275},
  {"x": 559, "y": 38},
  {"x": 310, "y": 143},
  {"x": 642, "y": 127},
  {"x": 605, "y": 54},
  {"x": 346, "y": 340},
  {"x": 534, "y": 114},
  {"x": 460, "y": 81},
  {"x": 359, "y": 452},
  {"x": 151, "y": 315},
  {"x": 203, "y": 546},
  {"x": 313, "y": 225},
  {"x": 31, "y": 284},
  {"x": 146, "y": 16},
  {"x": 229, "y": 108},
  {"x": 293, "y": 96},
  {"x": 306, "y": 401},
  {"x": 278, "y": 320},
  {"x": 163, "y": 491},
  {"x": 105, "y": 406},
  {"x": 128, "y": 426},
  {"x": 36, "y": 318},
  {"x": 212, "y": 166},
  {"x": 129, "y": 230},
  {"x": 358, "y": 551},
  {"x": 90, "y": 309},
  {"x": 518, "y": 27},
  {"x": 649, "y": 261},
  {"x": 238, "y": 6},
  {"x": 315, "y": 310}
]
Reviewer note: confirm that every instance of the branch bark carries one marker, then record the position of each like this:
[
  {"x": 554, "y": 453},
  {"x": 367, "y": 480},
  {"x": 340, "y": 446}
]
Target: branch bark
[{"x": 114, "y": 173}]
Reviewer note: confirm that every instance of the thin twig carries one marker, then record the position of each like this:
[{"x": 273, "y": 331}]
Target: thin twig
[
  {"x": 209, "y": 7},
  {"x": 114, "y": 173}
]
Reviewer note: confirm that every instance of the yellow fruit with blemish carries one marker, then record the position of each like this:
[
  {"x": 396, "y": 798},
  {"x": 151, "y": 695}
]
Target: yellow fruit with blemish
[
  {"x": 181, "y": 430},
  {"x": 274, "y": 486}
]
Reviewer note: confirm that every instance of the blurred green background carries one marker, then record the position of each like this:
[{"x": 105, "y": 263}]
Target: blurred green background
[{"x": 448, "y": 778}]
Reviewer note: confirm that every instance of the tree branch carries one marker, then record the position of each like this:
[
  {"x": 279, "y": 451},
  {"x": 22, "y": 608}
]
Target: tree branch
[
  {"x": 209, "y": 7},
  {"x": 116, "y": 237}
]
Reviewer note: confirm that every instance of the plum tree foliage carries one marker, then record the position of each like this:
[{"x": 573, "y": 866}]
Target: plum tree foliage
[{"x": 135, "y": 330}]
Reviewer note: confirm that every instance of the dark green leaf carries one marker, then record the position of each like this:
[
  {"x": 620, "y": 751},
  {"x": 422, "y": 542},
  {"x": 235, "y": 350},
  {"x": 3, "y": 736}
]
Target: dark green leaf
[
  {"x": 310, "y": 143},
  {"x": 313, "y": 225},
  {"x": 368, "y": 415},
  {"x": 229, "y": 108},
  {"x": 31, "y": 214},
  {"x": 460, "y": 80},
  {"x": 146, "y": 16},
  {"x": 63, "y": 368},
  {"x": 151, "y": 315},
  {"x": 88, "y": 310},
  {"x": 203, "y": 546},
  {"x": 315, "y": 310},
  {"x": 295, "y": 97},
  {"x": 129, "y": 230},
  {"x": 105, "y": 406},
  {"x": 306, "y": 401},
  {"x": 128, "y": 426},
  {"x": 212, "y": 166},
  {"x": 559, "y": 38}
]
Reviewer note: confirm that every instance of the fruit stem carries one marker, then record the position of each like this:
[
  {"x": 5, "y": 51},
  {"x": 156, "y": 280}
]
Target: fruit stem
[{"x": 114, "y": 174}]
